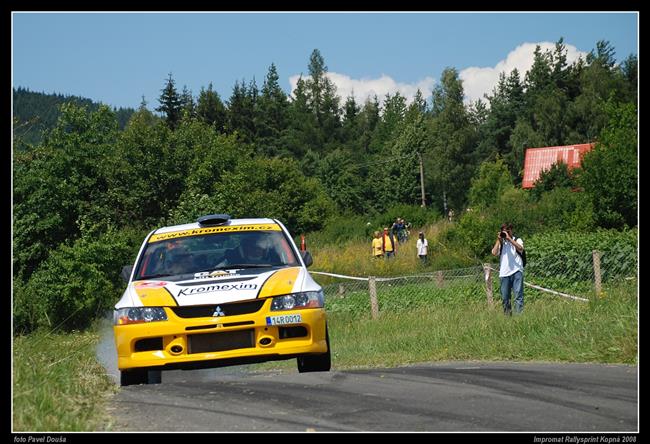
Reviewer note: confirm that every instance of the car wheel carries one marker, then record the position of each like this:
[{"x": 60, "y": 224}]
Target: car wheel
[
  {"x": 140, "y": 376},
  {"x": 154, "y": 377},
  {"x": 133, "y": 377},
  {"x": 316, "y": 363}
]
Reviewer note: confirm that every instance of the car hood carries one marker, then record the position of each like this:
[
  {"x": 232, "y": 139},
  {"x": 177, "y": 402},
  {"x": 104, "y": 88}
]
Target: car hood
[{"x": 217, "y": 288}]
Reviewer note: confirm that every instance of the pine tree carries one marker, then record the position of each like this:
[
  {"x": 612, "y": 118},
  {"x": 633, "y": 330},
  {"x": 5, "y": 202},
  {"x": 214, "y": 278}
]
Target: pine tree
[
  {"x": 322, "y": 100},
  {"x": 170, "y": 104},
  {"x": 211, "y": 110},
  {"x": 273, "y": 115},
  {"x": 302, "y": 134},
  {"x": 188, "y": 106},
  {"x": 242, "y": 110}
]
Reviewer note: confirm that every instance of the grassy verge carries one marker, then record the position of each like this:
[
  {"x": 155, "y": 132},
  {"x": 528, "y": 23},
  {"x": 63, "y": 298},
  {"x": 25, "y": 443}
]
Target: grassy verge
[
  {"x": 58, "y": 385},
  {"x": 458, "y": 325}
]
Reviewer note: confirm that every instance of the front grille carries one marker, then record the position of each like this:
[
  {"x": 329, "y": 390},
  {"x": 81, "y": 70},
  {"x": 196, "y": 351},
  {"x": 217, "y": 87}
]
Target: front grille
[
  {"x": 229, "y": 309},
  {"x": 148, "y": 344},
  {"x": 214, "y": 342}
]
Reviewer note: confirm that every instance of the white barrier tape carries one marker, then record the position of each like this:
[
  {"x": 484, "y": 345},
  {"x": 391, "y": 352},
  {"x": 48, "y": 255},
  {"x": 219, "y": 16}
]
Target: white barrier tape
[
  {"x": 537, "y": 287},
  {"x": 379, "y": 279},
  {"x": 338, "y": 275},
  {"x": 556, "y": 292}
]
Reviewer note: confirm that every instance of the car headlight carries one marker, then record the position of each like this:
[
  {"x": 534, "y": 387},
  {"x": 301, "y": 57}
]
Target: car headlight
[
  {"x": 307, "y": 299},
  {"x": 138, "y": 315}
]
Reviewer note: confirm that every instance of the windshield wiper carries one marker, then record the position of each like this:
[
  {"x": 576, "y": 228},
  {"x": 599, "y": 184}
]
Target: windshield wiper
[
  {"x": 225, "y": 267},
  {"x": 151, "y": 276}
]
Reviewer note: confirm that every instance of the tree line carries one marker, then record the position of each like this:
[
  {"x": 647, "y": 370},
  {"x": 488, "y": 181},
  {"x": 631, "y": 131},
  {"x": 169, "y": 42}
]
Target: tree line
[
  {"x": 88, "y": 192},
  {"x": 36, "y": 112}
]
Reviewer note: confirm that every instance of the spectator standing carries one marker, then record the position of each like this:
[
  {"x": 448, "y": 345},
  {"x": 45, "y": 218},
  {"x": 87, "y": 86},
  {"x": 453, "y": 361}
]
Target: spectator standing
[
  {"x": 511, "y": 267},
  {"x": 377, "y": 249},
  {"x": 407, "y": 229},
  {"x": 388, "y": 244},
  {"x": 422, "y": 247},
  {"x": 399, "y": 230},
  {"x": 394, "y": 229}
]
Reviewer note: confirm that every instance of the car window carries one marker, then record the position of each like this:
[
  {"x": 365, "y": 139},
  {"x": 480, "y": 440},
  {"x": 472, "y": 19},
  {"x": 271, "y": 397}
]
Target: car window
[{"x": 200, "y": 253}]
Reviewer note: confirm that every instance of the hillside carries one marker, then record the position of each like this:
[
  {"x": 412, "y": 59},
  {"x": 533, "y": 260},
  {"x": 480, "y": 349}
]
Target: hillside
[{"x": 38, "y": 111}]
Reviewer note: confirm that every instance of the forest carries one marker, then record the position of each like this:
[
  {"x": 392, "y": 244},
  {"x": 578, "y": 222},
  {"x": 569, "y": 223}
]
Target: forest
[
  {"x": 90, "y": 186},
  {"x": 37, "y": 112}
]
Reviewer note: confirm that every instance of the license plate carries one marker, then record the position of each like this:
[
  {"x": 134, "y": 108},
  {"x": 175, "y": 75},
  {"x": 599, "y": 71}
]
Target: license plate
[{"x": 284, "y": 319}]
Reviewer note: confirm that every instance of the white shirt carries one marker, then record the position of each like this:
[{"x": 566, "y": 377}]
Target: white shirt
[
  {"x": 422, "y": 247},
  {"x": 511, "y": 262}
]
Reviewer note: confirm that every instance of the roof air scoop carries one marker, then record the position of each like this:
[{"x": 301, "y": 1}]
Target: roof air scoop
[{"x": 213, "y": 219}]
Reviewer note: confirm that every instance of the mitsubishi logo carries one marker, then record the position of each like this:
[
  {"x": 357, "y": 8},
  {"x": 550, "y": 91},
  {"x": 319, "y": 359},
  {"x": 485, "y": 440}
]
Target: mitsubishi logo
[{"x": 218, "y": 312}]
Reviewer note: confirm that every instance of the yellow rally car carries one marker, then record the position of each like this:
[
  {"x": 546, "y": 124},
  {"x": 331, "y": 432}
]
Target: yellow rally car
[{"x": 219, "y": 292}]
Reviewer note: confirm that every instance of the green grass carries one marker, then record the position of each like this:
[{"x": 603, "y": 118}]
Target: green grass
[
  {"x": 58, "y": 385},
  {"x": 455, "y": 323},
  {"x": 550, "y": 329}
]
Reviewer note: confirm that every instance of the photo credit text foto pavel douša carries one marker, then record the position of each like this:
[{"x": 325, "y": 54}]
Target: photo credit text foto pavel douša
[{"x": 40, "y": 438}]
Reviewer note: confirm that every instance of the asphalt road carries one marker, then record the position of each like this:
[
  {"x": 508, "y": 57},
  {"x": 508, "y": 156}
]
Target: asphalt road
[{"x": 443, "y": 397}]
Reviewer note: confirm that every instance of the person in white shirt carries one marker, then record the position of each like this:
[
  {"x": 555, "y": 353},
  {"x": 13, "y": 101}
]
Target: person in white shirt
[
  {"x": 511, "y": 267},
  {"x": 422, "y": 246}
]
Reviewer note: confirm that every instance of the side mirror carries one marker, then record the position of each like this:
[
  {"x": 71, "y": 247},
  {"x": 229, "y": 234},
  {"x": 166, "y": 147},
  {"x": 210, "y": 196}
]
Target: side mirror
[
  {"x": 306, "y": 257},
  {"x": 126, "y": 272}
]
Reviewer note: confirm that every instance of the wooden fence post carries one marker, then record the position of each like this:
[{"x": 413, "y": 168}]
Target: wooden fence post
[
  {"x": 487, "y": 270},
  {"x": 597, "y": 275},
  {"x": 373, "y": 297},
  {"x": 439, "y": 278},
  {"x": 341, "y": 290}
]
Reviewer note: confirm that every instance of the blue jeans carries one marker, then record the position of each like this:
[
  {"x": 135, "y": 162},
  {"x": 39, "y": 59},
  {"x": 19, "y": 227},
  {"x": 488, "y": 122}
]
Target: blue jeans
[{"x": 514, "y": 282}]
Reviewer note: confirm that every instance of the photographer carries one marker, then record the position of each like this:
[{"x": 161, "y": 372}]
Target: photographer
[{"x": 511, "y": 269}]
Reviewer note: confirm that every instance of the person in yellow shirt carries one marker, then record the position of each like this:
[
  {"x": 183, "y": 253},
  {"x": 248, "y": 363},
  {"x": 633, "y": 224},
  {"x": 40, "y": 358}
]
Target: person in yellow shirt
[
  {"x": 389, "y": 245},
  {"x": 377, "y": 250}
]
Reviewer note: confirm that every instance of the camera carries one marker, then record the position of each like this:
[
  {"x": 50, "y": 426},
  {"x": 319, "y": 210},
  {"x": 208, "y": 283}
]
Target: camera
[{"x": 502, "y": 234}]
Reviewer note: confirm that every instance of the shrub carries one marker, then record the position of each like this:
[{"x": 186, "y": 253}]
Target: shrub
[
  {"x": 492, "y": 180},
  {"x": 415, "y": 215},
  {"x": 564, "y": 209},
  {"x": 76, "y": 283},
  {"x": 475, "y": 231},
  {"x": 558, "y": 176},
  {"x": 339, "y": 230}
]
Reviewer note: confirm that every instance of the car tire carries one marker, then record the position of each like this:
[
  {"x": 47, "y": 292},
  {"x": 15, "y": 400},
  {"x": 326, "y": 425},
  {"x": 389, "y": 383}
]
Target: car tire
[
  {"x": 137, "y": 376},
  {"x": 154, "y": 377},
  {"x": 316, "y": 363},
  {"x": 133, "y": 376}
]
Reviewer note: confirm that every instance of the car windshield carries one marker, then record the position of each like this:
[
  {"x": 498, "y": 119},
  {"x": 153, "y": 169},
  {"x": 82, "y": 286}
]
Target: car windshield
[{"x": 220, "y": 251}]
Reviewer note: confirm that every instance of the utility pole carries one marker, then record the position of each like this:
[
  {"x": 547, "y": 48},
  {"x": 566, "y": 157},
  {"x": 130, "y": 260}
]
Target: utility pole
[
  {"x": 424, "y": 203},
  {"x": 444, "y": 201}
]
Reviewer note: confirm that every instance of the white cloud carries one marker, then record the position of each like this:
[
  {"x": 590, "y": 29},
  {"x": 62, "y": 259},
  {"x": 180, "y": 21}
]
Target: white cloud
[
  {"x": 367, "y": 88},
  {"x": 479, "y": 81}
]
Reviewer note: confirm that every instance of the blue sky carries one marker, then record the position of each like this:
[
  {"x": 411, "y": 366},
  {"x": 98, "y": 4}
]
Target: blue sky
[{"x": 116, "y": 58}]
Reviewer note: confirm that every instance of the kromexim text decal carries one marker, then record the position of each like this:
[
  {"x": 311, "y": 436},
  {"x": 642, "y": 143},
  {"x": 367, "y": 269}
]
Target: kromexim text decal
[
  {"x": 213, "y": 230},
  {"x": 216, "y": 287}
]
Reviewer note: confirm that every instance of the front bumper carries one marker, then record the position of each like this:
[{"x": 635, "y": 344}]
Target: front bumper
[{"x": 229, "y": 339}]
